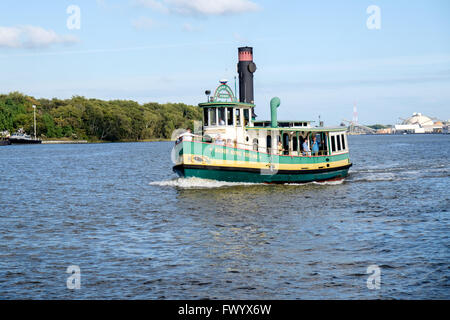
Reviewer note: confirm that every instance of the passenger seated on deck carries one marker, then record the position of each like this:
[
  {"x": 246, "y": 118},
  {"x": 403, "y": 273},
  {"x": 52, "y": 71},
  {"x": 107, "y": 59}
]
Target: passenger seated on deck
[
  {"x": 219, "y": 141},
  {"x": 315, "y": 147},
  {"x": 221, "y": 122},
  {"x": 306, "y": 151},
  {"x": 229, "y": 143}
]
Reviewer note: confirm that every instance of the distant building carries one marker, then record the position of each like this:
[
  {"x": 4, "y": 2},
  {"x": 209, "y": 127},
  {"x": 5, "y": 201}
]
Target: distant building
[
  {"x": 418, "y": 118},
  {"x": 384, "y": 131},
  {"x": 419, "y": 123}
]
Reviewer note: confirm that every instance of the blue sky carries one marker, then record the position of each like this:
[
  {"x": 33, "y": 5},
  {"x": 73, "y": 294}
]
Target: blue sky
[{"x": 319, "y": 57}]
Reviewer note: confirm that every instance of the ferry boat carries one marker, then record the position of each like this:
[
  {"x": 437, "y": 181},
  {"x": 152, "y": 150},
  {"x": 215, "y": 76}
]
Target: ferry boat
[{"x": 233, "y": 146}]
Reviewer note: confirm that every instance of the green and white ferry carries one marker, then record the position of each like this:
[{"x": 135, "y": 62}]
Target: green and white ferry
[{"x": 233, "y": 146}]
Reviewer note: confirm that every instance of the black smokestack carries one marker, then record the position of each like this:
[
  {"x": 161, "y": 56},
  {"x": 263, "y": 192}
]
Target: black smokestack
[{"x": 246, "y": 68}]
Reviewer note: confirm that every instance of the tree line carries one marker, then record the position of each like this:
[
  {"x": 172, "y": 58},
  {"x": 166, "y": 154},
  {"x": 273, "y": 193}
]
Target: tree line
[{"x": 94, "y": 119}]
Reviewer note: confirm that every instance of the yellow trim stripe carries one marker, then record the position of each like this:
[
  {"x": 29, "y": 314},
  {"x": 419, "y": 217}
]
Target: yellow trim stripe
[{"x": 199, "y": 160}]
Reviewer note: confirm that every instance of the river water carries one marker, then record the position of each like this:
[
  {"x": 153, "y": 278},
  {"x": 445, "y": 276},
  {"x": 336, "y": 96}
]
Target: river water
[{"x": 136, "y": 231}]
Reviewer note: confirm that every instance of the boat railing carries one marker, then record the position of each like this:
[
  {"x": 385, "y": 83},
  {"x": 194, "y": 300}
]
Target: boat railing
[
  {"x": 189, "y": 137},
  {"x": 249, "y": 147},
  {"x": 283, "y": 152}
]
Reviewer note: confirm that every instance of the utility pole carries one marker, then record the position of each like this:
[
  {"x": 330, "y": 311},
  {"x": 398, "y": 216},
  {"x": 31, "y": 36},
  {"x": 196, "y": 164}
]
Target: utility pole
[{"x": 34, "y": 115}]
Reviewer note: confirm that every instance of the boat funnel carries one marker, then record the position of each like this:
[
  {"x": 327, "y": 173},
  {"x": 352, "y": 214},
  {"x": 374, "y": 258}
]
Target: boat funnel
[
  {"x": 274, "y": 104},
  {"x": 246, "y": 68}
]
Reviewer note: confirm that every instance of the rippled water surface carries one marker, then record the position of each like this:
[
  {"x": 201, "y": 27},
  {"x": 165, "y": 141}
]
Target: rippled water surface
[{"x": 137, "y": 232}]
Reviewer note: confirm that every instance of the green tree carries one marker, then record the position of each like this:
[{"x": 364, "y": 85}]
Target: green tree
[{"x": 95, "y": 119}]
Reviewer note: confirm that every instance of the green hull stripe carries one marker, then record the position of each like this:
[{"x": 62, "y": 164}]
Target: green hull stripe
[
  {"x": 236, "y": 176},
  {"x": 241, "y": 176}
]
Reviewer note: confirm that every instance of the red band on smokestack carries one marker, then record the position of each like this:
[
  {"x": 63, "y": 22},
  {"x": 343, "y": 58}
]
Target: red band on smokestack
[{"x": 245, "y": 56}]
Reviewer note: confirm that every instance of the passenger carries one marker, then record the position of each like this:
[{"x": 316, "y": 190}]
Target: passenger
[
  {"x": 219, "y": 141},
  {"x": 315, "y": 147},
  {"x": 221, "y": 122},
  {"x": 229, "y": 143},
  {"x": 306, "y": 151},
  {"x": 280, "y": 148}
]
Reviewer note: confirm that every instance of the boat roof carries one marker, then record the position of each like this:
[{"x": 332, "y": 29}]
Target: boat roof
[
  {"x": 304, "y": 129},
  {"x": 219, "y": 103},
  {"x": 267, "y": 123}
]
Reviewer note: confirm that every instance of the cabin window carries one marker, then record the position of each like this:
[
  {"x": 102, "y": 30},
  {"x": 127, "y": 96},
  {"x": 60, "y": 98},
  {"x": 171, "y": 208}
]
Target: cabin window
[
  {"x": 246, "y": 116},
  {"x": 294, "y": 144},
  {"x": 221, "y": 116},
  {"x": 255, "y": 144},
  {"x": 238, "y": 117},
  {"x": 230, "y": 116},
  {"x": 343, "y": 142},
  {"x": 323, "y": 143},
  {"x": 338, "y": 138},
  {"x": 333, "y": 144},
  {"x": 205, "y": 117},
  {"x": 212, "y": 116},
  {"x": 269, "y": 143},
  {"x": 286, "y": 143}
]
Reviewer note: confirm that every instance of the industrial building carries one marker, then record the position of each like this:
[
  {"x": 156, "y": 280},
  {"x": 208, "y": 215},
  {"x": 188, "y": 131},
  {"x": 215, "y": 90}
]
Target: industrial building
[{"x": 419, "y": 123}]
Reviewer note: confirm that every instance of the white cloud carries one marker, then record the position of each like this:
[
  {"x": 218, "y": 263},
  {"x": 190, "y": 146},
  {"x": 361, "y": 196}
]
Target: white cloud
[
  {"x": 9, "y": 37},
  {"x": 201, "y": 7},
  {"x": 208, "y": 7},
  {"x": 31, "y": 37}
]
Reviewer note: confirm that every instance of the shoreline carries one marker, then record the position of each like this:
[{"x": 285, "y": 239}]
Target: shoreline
[
  {"x": 95, "y": 142},
  {"x": 168, "y": 140}
]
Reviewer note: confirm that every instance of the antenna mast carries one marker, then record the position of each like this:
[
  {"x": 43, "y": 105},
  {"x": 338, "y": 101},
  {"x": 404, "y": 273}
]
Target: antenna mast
[{"x": 355, "y": 114}]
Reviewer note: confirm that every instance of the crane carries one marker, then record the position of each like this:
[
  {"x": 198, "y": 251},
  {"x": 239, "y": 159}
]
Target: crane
[{"x": 356, "y": 128}]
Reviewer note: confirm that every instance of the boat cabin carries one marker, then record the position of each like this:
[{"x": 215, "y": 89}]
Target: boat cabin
[
  {"x": 298, "y": 141},
  {"x": 232, "y": 123}
]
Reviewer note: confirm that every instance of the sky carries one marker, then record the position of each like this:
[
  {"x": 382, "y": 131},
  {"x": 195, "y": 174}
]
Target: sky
[{"x": 319, "y": 57}]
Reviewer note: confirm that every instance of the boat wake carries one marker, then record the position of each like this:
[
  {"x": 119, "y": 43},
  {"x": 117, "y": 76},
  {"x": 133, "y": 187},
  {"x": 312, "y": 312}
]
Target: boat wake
[
  {"x": 329, "y": 183},
  {"x": 198, "y": 183},
  {"x": 372, "y": 177},
  {"x": 397, "y": 173}
]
